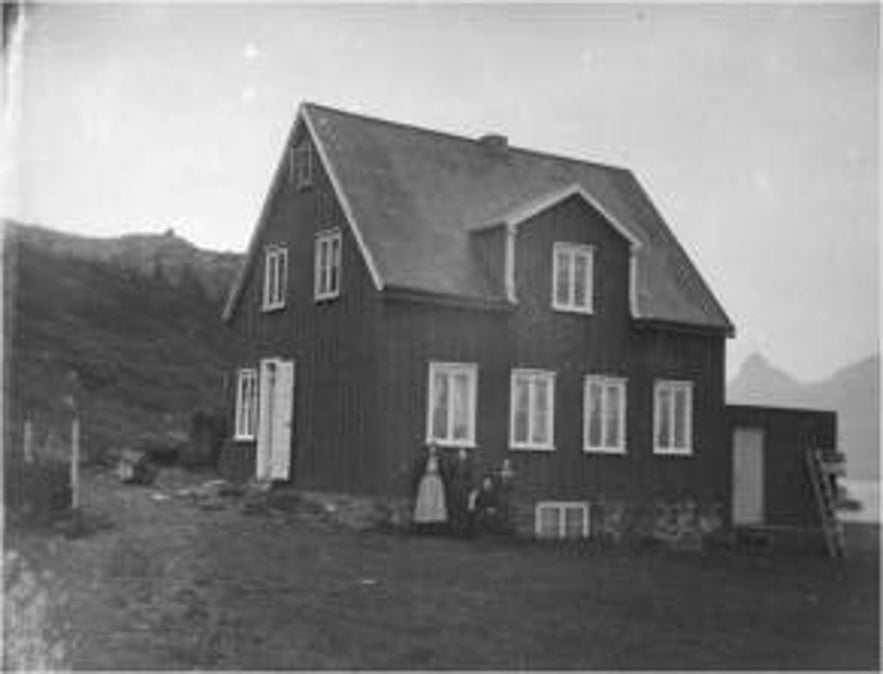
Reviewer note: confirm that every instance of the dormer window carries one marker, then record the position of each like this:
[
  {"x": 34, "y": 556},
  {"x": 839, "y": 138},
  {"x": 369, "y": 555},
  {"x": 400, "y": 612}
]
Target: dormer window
[
  {"x": 275, "y": 277},
  {"x": 572, "y": 277}
]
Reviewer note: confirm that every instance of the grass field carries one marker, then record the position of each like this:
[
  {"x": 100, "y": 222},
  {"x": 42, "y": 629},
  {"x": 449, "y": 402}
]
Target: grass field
[{"x": 171, "y": 585}]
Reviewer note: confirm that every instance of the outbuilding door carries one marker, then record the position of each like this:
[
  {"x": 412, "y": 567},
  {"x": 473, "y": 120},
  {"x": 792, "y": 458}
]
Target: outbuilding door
[
  {"x": 748, "y": 476},
  {"x": 275, "y": 418}
]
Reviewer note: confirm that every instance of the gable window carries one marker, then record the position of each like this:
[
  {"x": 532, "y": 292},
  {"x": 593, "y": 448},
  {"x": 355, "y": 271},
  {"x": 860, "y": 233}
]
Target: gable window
[
  {"x": 531, "y": 423},
  {"x": 451, "y": 409},
  {"x": 558, "y": 519},
  {"x": 673, "y": 417},
  {"x": 604, "y": 415},
  {"x": 572, "y": 277},
  {"x": 300, "y": 165},
  {"x": 275, "y": 277},
  {"x": 327, "y": 271},
  {"x": 246, "y": 405}
]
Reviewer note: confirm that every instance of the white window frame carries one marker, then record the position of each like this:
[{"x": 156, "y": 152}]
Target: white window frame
[
  {"x": 328, "y": 254},
  {"x": 531, "y": 376},
  {"x": 561, "y": 508},
  {"x": 673, "y": 387},
  {"x": 275, "y": 277},
  {"x": 618, "y": 384},
  {"x": 573, "y": 251},
  {"x": 247, "y": 396},
  {"x": 451, "y": 369}
]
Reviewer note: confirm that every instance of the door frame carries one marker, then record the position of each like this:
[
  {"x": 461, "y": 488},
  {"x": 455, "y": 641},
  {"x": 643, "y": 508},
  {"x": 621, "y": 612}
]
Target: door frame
[
  {"x": 748, "y": 477},
  {"x": 274, "y": 435}
]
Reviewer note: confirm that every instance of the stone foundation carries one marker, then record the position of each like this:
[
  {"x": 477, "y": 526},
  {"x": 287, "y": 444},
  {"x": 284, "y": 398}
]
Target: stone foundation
[{"x": 683, "y": 524}]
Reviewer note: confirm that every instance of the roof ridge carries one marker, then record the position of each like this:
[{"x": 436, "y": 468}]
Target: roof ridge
[{"x": 463, "y": 138}]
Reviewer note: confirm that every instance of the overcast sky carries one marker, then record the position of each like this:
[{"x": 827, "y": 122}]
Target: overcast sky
[{"x": 754, "y": 128}]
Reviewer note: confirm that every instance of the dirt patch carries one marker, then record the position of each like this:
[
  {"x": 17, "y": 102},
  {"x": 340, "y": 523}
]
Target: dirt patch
[{"x": 172, "y": 585}]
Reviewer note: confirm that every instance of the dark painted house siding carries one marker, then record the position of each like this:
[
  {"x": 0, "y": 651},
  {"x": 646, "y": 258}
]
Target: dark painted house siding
[
  {"x": 332, "y": 342},
  {"x": 788, "y": 434},
  {"x": 535, "y": 336},
  {"x": 609, "y": 343}
]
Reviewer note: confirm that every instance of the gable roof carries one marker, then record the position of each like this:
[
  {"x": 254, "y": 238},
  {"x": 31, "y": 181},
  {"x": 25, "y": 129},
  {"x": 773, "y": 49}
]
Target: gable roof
[{"x": 413, "y": 197}]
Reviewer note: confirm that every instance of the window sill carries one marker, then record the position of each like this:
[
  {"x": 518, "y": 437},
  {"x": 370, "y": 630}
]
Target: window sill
[
  {"x": 687, "y": 451},
  {"x": 462, "y": 444},
  {"x": 244, "y": 438},
  {"x": 587, "y": 311},
  {"x": 328, "y": 297},
  {"x": 532, "y": 448},
  {"x": 615, "y": 451},
  {"x": 270, "y": 308}
]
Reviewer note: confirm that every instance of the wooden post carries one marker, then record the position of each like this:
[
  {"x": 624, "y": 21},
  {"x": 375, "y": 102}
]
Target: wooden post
[
  {"x": 75, "y": 461},
  {"x": 29, "y": 442},
  {"x": 71, "y": 401}
]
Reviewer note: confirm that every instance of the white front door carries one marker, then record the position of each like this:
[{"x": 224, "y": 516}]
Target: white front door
[
  {"x": 748, "y": 476},
  {"x": 275, "y": 418}
]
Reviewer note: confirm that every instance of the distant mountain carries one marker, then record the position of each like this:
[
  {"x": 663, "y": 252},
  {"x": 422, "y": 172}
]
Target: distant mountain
[
  {"x": 136, "y": 318},
  {"x": 853, "y": 392}
]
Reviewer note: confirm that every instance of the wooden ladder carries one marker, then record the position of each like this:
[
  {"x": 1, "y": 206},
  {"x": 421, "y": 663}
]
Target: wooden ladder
[{"x": 824, "y": 466}]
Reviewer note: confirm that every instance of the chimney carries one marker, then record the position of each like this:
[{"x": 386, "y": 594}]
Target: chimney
[{"x": 494, "y": 141}]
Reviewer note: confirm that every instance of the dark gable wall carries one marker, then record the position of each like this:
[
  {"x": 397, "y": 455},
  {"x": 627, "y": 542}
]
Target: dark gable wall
[
  {"x": 572, "y": 345},
  {"x": 333, "y": 343}
]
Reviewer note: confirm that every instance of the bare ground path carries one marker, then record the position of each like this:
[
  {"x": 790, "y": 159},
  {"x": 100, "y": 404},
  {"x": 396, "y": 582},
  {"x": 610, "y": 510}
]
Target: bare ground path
[{"x": 173, "y": 585}]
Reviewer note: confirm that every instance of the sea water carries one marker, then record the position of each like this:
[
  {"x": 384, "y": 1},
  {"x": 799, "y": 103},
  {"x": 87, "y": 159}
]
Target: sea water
[{"x": 866, "y": 492}]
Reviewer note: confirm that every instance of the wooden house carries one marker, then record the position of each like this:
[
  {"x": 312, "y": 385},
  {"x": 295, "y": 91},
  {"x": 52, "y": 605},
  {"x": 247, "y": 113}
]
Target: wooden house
[{"x": 406, "y": 286}]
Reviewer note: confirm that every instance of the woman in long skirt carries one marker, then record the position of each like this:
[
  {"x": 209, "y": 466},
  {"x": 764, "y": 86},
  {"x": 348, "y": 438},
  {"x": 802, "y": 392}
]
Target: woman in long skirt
[{"x": 430, "y": 508}]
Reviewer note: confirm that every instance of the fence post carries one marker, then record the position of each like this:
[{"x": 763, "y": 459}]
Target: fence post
[
  {"x": 28, "y": 442},
  {"x": 71, "y": 401}
]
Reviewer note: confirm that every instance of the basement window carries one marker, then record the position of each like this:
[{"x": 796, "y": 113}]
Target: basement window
[
  {"x": 673, "y": 417},
  {"x": 275, "y": 277},
  {"x": 561, "y": 520},
  {"x": 246, "y": 404}
]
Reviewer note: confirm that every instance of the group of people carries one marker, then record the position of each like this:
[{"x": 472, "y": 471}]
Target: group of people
[{"x": 446, "y": 497}]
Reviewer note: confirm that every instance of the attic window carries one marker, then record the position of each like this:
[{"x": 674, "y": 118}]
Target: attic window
[
  {"x": 327, "y": 265},
  {"x": 300, "y": 166},
  {"x": 275, "y": 277},
  {"x": 572, "y": 277}
]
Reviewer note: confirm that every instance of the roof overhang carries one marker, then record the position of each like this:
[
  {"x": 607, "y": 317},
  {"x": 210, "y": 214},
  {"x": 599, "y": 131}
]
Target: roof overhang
[
  {"x": 532, "y": 207},
  {"x": 303, "y": 119}
]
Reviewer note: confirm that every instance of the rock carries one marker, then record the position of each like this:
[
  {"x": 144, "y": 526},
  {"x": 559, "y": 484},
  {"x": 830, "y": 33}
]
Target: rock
[{"x": 135, "y": 468}]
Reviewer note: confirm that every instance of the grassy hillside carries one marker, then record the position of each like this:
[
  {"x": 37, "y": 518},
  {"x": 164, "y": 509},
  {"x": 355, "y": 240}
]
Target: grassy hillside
[{"x": 136, "y": 319}]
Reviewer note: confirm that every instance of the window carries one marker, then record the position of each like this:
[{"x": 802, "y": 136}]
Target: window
[
  {"x": 246, "y": 405},
  {"x": 300, "y": 165},
  {"x": 572, "y": 277},
  {"x": 532, "y": 410},
  {"x": 558, "y": 519},
  {"x": 327, "y": 273},
  {"x": 451, "y": 409},
  {"x": 275, "y": 277},
  {"x": 604, "y": 415},
  {"x": 673, "y": 417}
]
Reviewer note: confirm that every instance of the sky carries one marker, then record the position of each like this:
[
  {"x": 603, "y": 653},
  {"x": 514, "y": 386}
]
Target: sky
[{"x": 754, "y": 128}]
